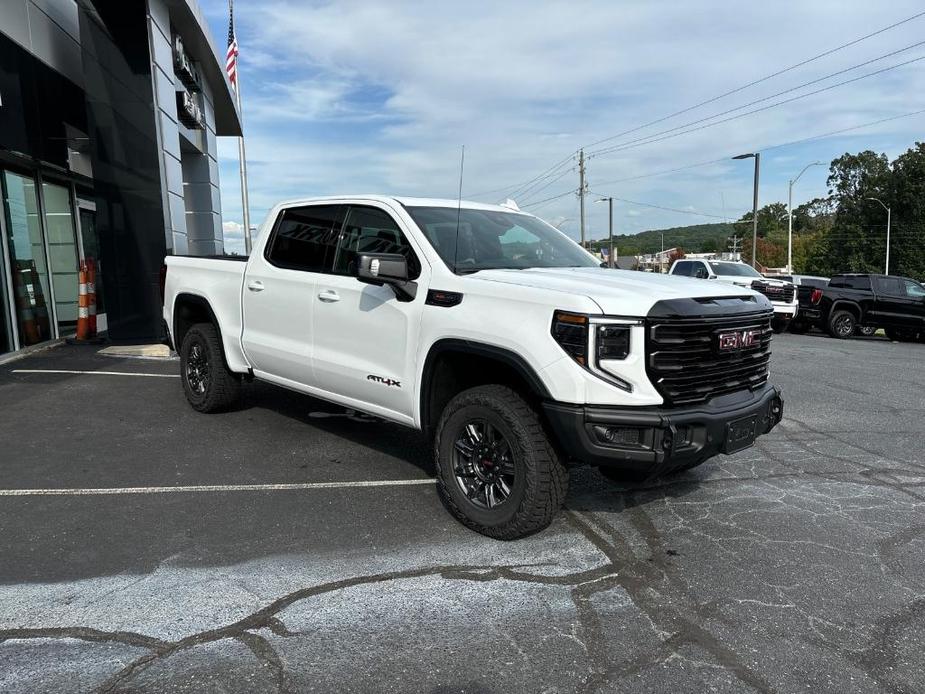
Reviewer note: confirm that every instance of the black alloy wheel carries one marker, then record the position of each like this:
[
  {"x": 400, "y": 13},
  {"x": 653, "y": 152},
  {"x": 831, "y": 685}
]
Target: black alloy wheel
[
  {"x": 841, "y": 324},
  {"x": 483, "y": 464},
  {"x": 198, "y": 369}
]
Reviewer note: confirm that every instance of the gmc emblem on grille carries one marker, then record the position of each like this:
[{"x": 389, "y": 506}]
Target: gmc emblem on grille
[{"x": 737, "y": 340}]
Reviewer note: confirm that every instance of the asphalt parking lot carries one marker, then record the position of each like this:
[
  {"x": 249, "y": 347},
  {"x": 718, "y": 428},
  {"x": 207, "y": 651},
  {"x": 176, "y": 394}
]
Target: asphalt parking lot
[{"x": 161, "y": 550}]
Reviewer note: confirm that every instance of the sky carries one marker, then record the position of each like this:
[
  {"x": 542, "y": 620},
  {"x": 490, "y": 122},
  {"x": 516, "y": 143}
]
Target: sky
[{"x": 378, "y": 97}]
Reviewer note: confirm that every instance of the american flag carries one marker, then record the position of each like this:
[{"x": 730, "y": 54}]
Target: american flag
[{"x": 231, "y": 57}]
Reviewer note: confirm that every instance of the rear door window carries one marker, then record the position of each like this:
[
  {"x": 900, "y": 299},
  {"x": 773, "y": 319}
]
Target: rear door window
[
  {"x": 891, "y": 286},
  {"x": 306, "y": 238}
]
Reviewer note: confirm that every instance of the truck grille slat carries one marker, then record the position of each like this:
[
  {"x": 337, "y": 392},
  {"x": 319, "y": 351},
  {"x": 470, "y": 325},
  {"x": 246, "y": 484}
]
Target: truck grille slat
[{"x": 684, "y": 361}]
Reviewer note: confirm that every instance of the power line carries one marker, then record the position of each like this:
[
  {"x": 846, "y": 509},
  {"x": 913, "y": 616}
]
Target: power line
[
  {"x": 517, "y": 186},
  {"x": 769, "y": 148},
  {"x": 554, "y": 197},
  {"x": 524, "y": 196},
  {"x": 658, "y": 207},
  {"x": 758, "y": 81},
  {"x": 661, "y": 137}
]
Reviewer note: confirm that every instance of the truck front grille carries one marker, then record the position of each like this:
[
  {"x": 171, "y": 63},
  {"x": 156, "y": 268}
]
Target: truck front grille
[
  {"x": 691, "y": 360},
  {"x": 774, "y": 293}
]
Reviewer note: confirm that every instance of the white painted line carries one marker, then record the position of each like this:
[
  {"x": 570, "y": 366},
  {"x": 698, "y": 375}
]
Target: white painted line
[
  {"x": 92, "y": 373},
  {"x": 212, "y": 488}
]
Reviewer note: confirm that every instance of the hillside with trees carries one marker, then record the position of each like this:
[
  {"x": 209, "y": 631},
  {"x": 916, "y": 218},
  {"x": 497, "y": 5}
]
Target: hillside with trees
[{"x": 842, "y": 232}]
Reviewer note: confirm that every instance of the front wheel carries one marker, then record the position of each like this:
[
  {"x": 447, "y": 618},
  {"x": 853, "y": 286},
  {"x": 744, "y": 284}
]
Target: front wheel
[
  {"x": 208, "y": 383},
  {"x": 842, "y": 324},
  {"x": 497, "y": 471}
]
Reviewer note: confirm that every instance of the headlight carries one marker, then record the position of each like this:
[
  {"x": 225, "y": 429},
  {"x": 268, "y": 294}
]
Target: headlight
[{"x": 595, "y": 342}]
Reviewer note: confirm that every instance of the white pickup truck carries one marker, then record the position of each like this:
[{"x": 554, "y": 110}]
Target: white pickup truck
[
  {"x": 781, "y": 293},
  {"x": 489, "y": 330}
]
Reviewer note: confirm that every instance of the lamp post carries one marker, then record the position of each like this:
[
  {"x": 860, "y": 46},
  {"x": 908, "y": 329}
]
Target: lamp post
[
  {"x": 757, "y": 157},
  {"x": 609, "y": 201},
  {"x": 888, "y": 214},
  {"x": 790, "y": 216}
]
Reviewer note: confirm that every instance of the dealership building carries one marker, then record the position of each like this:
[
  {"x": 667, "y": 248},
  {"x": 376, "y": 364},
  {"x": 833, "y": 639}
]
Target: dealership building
[{"x": 109, "y": 113}]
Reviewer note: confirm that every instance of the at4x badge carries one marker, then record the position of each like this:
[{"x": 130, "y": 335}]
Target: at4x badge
[{"x": 384, "y": 381}]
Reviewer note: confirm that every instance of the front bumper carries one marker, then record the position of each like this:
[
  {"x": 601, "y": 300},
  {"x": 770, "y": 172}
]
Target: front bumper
[{"x": 654, "y": 441}]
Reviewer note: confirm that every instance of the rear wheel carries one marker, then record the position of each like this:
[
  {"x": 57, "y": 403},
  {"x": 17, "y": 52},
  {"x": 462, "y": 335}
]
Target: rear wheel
[
  {"x": 207, "y": 382},
  {"x": 842, "y": 324},
  {"x": 497, "y": 471}
]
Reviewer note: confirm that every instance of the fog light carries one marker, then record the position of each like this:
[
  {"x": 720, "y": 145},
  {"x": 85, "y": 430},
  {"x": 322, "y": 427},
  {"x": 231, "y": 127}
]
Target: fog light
[{"x": 617, "y": 435}]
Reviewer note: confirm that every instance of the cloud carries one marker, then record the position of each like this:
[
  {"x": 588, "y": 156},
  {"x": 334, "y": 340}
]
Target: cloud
[{"x": 356, "y": 96}]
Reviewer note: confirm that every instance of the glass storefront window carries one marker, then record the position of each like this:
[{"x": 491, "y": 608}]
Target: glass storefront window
[
  {"x": 62, "y": 253},
  {"x": 27, "y": 259}
]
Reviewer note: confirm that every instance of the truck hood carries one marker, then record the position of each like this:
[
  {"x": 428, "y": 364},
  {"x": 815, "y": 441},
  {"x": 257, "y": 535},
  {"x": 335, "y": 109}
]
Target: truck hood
[{"x": 617, "y": 292}]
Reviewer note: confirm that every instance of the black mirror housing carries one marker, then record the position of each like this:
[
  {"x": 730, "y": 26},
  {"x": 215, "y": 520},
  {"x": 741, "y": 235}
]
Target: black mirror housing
[{"x": 387, "y": 268}]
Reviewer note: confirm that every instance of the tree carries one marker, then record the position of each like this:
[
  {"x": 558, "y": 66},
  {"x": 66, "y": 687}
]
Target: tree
[{"x": 675, "y": 254}]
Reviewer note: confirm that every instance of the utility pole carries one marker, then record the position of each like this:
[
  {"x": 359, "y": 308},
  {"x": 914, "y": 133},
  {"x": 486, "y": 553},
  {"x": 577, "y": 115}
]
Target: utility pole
[
  {"x": 790, "y": 216},
  {"x": 757, "y": 157},
  {"x": 582, "y": 188},
  {"x": 735, "y": 240},
  {"x": 611, "y": 263}
]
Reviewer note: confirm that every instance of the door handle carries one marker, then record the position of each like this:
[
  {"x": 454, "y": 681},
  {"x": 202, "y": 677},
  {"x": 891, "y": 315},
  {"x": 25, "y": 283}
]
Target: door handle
[
  {"x": 329, "y": 296},
  {"x": 255, "y": 286}
]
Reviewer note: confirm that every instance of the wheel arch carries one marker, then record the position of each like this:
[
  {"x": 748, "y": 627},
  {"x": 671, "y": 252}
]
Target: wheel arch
[
  {"x": 453, "y": 365},
  {"x": 847, "y": 305},
  {"x": 189, "y": 309}
]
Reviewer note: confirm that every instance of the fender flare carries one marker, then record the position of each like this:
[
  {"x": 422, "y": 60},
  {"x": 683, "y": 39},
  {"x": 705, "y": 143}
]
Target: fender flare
[{"x": 501, "y": 354}]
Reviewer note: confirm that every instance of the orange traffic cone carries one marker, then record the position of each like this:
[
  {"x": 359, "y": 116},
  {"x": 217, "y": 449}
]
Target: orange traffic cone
[{"x": 86, "y": 306}]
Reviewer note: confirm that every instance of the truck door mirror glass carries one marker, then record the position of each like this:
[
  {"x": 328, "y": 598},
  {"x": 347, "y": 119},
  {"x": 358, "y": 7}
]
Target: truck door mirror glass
[{"x": 387, "y": 268}]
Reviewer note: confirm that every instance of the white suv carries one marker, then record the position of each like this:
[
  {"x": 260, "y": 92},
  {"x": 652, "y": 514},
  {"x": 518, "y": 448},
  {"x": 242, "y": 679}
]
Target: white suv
[{"x": 782, "y": 294}]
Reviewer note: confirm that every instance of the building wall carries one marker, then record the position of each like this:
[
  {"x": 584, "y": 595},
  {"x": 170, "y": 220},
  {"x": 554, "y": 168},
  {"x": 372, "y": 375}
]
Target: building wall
[
  {"x": 189, "y": 156},
  {"x": 49, "y": 30}
]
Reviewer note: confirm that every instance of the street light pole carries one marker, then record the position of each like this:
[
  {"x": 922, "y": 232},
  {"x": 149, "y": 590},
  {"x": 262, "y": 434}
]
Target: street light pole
[
  {"x": 609, "y": 201},
  {"x": 757, "y": 157},
  {"x": 888, "y": 215},
  {"x": 790, "y": 216}
]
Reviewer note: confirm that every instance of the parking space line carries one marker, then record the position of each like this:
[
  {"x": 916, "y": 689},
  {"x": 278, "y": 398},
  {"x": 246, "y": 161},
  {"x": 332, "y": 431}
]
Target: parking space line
[
  {"x": 212, "y": 488},
  {"x": 93, "y": 373}
]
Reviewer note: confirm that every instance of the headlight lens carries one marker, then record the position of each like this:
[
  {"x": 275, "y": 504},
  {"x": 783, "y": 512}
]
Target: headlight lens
[
  {"x": 613, "y": 342},
  {"x": 593, "y": 340}
]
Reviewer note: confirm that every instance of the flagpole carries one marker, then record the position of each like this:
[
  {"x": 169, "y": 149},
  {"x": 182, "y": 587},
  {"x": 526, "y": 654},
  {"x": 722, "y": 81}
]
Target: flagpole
[{"x": 243, "y": 167}]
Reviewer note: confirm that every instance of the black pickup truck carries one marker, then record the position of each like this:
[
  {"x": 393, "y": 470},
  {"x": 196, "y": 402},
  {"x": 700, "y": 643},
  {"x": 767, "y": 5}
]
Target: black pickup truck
[{"x": 896, "y": 304}]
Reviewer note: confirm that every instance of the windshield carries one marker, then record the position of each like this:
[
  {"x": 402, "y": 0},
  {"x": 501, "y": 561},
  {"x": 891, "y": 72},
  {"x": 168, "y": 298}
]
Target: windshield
[
  {"x": 736, "y": 269},
  {"x": 491, "y": 240}
]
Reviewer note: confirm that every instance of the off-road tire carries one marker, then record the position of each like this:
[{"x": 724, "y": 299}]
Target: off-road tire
[
  {"x": 540, "y": 480},
  {"x": 223, "y": 386},
  {"x": 841, "y": 324}
]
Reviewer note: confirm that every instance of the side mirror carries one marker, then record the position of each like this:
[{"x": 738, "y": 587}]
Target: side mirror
[{"x": 387, "y": 268}]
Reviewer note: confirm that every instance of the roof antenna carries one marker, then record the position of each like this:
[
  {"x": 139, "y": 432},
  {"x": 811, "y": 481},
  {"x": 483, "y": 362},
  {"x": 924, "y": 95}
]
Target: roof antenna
[{"x": 462, "y": 162}]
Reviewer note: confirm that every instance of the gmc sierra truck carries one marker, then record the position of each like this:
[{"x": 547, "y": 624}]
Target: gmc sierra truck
[
  {"x": 781, "y": 293},
  {"x": 489, "y": 330},
  {"x": 849, "y": 301}
]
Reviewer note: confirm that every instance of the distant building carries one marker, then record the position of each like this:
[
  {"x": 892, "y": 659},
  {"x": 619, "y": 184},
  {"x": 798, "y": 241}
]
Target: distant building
[{"x": 109, "y": 113}]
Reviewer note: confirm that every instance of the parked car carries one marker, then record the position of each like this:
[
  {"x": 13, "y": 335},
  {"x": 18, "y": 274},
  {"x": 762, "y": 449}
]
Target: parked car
[
  {"x": 491, "y": 331},
  {"x": 896, "y": 304},
  {"x": 782, "y": 294}
]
